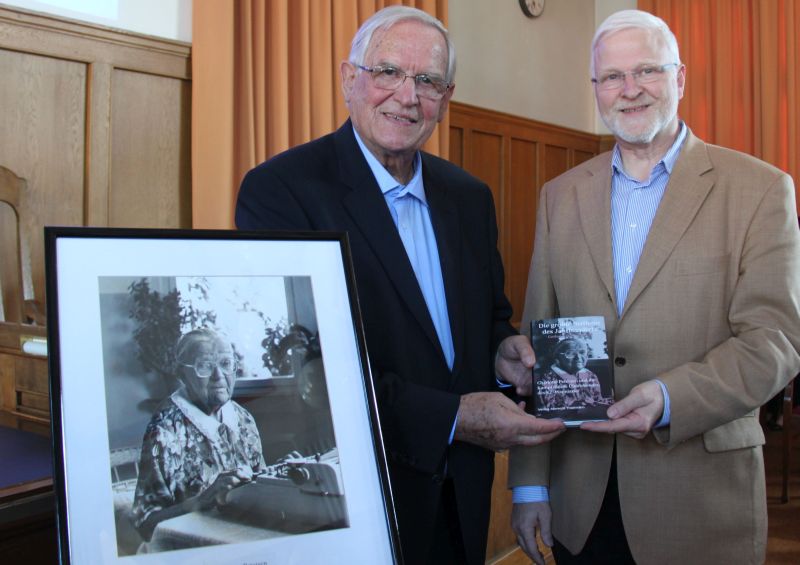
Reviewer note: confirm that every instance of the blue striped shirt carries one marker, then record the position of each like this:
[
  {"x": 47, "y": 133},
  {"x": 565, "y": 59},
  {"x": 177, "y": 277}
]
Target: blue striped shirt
[{"x": 633, "y": 206}]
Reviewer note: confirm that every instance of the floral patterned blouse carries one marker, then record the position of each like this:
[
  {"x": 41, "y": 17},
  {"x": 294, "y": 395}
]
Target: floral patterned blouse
[{"x": 184, "y": 449}]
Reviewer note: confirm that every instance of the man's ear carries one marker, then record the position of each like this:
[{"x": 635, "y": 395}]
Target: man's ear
[
  {"x": 348, "y": 72},
  {"x": 681, "y": 78},
  {"x": 444, "y": 102}
]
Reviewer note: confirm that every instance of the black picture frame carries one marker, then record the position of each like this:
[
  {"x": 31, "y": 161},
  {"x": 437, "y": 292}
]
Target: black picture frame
[{"x": 287, "y": 304}]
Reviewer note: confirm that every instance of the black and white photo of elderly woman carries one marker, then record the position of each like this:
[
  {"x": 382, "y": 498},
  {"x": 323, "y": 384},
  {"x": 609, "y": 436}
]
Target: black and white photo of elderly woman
[
  {"x": 567, "y": 382},
  {"x": 200, "y": 443}
]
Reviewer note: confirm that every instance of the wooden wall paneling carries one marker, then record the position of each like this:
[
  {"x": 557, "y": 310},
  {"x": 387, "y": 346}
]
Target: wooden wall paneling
[
  {"x": 55, "y": 96},
  {"x": 607, "y": 143},
  {"x": 485, "y": 157},
  {"x": 98, "y": 129},
  {"x": 148, "y": 126},
  {"x": 8, "y": 391},
  {"x": 457, "y": 146},
  {"x": 579, "y": 157},
  {"x": 42, "y": 140},
  {"x": 97, "y": 122},
  {"x": 555, "y": 161},
  {"x": 34, "y": 32},
  {"x": 23, "y": 378},
  {"x": 520, "y": 213},
  {"x": 530, "y": 153},
  {"x": 34, "y": 406},
  {"x": 32, "y": 391},
  {"x": 501, "y": 536},
  {"x": 10, "y": 269}
]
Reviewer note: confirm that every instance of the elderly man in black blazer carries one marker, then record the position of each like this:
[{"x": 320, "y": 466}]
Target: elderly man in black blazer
[{"x": 430, "y": 280}]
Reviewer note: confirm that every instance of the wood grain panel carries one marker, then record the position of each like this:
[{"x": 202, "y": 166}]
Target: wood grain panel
[
  {"x": 34, "y": 425},
  {"x": 500, "y": 534},
  {"x": 486, "y": 163},
  {"x": 555, "y": 161},
  {"x": 42, "y": 140},
  {"x": 607, "y": 143},
  {"x": 457, "y": 146},
  {"x": 581, "y": 156},
  {"x": 520, "y": 213},
  {"x": 32, "y": 32},
  {"x": 27, "y": 370},
  {"x": 522, "y": 155},
  {"x": 7, "y": 382},
  {"x": 10, "y": 269},
  {"x": 35, "y": 404},
  {"x": 148, "y": 126},
  {"x": 97, "y": 123}
]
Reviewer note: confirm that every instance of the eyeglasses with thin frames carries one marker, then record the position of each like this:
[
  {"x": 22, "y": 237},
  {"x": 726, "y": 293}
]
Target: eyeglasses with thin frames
[
  {"x": 388, "y": 77},
  {"x": 615, "y": 80},
  {"x": 204, "y": 368}
]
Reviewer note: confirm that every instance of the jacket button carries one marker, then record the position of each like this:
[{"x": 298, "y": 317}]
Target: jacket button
[
  {"x": 620, "y": 361},
  {"x": 438, "y": 479}
]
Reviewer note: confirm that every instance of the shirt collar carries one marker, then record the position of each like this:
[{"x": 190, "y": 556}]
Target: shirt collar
[
  {"x": 386, "y": 182},
  {"x": 668, "y": 160}
]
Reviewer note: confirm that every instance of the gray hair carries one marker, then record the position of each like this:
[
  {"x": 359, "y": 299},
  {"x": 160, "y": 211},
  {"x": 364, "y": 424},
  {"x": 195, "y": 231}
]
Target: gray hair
[
  {"x": 187, "y": 342},
  {"x": 626, "y": 19},
  {"x": 386, "y": 18}
]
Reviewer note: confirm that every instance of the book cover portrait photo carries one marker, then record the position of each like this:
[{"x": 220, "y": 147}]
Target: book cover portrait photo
[{"x": 572, "y": 378}]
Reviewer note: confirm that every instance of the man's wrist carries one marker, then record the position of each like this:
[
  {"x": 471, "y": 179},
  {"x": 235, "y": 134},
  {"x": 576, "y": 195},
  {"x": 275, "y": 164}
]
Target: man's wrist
[
  {"x": 500, "y": 381},
  {"x": 523, "y": 494}
]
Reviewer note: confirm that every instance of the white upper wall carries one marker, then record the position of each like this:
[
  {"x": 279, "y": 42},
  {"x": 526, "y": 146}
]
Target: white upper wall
[
  {"x": 536, "y": 68},
  {"x": 171, "y": 19}
]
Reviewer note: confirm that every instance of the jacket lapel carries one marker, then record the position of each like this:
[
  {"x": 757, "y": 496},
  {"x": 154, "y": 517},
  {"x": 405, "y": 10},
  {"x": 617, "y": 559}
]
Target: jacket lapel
[
  {"x": 685, "y": 193},
  {"x": 594, "y": 207},
  {"x": 366, "y": 205},
  {"x": 446, "y": 225}
]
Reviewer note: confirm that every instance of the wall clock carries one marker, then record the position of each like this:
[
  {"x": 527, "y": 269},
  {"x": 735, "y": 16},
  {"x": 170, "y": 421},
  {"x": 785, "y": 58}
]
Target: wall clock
[{"x": 532, "y": 8}]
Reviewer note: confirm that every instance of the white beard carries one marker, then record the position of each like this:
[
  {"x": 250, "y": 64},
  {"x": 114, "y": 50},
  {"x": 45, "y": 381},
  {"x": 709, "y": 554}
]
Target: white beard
[{"x": 665, "y": 113}]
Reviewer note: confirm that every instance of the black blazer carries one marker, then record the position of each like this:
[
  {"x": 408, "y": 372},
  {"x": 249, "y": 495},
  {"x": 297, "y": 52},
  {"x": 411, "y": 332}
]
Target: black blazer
[{"x": 327, "y": 185}]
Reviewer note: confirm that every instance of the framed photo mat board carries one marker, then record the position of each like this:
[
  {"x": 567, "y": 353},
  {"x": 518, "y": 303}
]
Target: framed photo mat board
[{"x": 103, "y": 394}]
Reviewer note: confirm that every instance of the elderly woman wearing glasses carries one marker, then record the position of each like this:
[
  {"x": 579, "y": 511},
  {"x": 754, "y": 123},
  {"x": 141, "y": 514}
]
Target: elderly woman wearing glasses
[{"x": 199, "y": 444}]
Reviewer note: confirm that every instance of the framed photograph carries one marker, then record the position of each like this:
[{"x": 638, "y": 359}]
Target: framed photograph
[{"x": 212, "y": 400}]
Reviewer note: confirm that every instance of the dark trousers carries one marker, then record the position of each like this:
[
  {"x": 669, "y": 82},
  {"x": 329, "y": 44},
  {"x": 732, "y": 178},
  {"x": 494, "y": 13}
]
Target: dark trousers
[
  {"x": 607, "y": 544},
  {"x": 448, "y": 544}
]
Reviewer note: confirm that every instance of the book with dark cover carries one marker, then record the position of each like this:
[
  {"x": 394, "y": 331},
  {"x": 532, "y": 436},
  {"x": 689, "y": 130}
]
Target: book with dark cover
[{"x": 572, "y": 378}]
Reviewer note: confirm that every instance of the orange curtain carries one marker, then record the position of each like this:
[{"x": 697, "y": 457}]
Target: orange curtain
[
  {"x": 742, "y": 85},
  {"x": 265, "y": 77}
]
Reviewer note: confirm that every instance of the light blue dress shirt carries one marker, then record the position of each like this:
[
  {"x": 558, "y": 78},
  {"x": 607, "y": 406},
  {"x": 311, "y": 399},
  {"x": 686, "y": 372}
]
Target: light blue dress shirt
[
  {"x": 411, "y": 215},
  {"x": 633, "y": 206}
]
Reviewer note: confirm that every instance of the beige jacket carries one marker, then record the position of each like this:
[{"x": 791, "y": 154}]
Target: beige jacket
[{"x": 714, "y": 313}]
